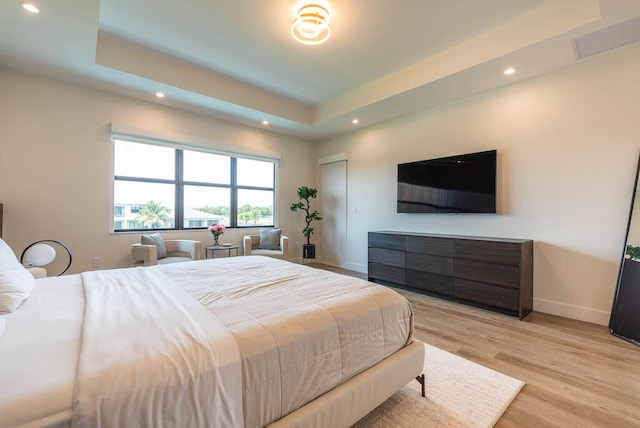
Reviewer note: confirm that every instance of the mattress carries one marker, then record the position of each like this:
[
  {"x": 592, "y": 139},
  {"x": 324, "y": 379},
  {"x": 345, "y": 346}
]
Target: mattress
[{"x": 290, "y": 323}]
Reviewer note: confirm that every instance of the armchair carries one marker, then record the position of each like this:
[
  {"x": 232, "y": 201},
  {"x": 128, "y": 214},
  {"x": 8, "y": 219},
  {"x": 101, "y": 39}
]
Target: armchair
[
  {"x": 155, "y": 250},
  {"x": 251, "y": 246}
]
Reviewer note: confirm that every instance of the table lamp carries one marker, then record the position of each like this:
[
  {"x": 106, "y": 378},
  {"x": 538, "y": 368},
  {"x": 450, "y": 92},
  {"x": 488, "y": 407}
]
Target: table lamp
[{"x": 39, "y": 254}]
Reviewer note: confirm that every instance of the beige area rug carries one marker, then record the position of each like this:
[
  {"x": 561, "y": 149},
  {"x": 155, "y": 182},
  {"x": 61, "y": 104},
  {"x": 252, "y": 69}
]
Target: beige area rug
[{"x": 460, "y": 393}]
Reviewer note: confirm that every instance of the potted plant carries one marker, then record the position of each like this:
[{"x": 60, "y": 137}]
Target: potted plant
[
  {"x": 304, "y": 194},
  {"x": 633, "y": 252}
]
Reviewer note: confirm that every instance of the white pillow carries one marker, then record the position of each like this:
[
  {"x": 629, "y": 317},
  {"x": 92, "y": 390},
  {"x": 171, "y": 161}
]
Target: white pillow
[
  {"x": 270, "y": 239},
  {"x": 16, "y": 282},
  {"x": 155, "y": 239},
  {"x": 7, "y": 258}
]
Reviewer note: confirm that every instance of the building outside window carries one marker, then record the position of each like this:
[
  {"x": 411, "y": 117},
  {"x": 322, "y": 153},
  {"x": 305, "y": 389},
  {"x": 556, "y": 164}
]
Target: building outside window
[
  {"x": 159, "y": 187},
  {"x": 132, "y": 224}
]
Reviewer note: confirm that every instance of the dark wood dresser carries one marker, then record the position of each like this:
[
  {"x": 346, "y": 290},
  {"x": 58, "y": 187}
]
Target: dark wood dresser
[{"x": 493, "y": 273}]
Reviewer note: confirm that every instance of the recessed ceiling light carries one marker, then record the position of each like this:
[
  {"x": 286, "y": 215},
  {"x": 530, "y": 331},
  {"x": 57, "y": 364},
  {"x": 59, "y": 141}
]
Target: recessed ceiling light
[
  {"x": 159, "y": 94},
  {"x": 29, "y": 7},
  {"x": 265, "y": 122},
  {"x": 509, "y": 71},
  {"x": 355, "y": 121}
]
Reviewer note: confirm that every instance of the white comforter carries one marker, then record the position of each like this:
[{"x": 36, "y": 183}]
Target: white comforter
[
  {"x": 301, "y": 331},
  {"x": 240, "y": 341},
  {"x": 152, "y": 356}
]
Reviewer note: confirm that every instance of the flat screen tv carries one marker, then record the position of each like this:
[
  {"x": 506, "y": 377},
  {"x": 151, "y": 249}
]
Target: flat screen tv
[{"x": 455, "y": 184}]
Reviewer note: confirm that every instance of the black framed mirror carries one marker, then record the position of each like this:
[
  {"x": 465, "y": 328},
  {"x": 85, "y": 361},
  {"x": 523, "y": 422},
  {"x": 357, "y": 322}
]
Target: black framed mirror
[{"x": 625, "y": 313}]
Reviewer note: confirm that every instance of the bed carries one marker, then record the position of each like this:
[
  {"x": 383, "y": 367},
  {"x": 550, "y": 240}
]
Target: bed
[{"x": 242, "y": 341}]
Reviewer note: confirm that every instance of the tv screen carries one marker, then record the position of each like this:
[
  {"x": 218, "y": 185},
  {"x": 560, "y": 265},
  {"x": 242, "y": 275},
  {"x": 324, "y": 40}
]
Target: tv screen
[{"x": 455, "y": 184}]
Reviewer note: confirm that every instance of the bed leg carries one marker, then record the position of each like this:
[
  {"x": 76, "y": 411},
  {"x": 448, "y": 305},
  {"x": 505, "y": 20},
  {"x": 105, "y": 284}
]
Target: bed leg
[{"x": 422, "y": 382}]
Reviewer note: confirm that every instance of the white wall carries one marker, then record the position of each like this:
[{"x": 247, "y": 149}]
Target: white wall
[
  {"x": 568, "y": 144},
  {"x": 56, "y": 175}
]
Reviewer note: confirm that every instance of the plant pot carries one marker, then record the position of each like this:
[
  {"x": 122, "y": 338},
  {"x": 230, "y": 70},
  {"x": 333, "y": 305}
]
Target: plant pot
[{"x": 309, "y": 251}]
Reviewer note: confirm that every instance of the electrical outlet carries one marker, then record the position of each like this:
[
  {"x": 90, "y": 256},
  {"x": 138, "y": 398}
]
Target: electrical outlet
[{"x": 95, "y": 262}]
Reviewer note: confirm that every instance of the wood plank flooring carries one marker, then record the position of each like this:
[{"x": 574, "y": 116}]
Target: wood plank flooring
[{"x": 576, "y": 373}]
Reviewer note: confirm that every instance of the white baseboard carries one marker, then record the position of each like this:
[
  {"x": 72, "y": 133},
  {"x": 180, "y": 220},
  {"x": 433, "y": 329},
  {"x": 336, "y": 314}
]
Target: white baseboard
[
  {"x": 569, "y": 311},
  {"x": 356, "y": 267}
]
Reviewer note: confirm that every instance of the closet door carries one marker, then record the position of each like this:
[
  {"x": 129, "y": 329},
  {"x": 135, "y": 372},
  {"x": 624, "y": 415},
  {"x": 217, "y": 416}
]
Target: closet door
[
  {"x": 334, "y": 213},
  {"x": 625, "y": 314}
]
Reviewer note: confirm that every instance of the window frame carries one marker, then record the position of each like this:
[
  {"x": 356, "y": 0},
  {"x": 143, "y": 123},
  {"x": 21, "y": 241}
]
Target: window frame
[{"x": 179, "y": 185}]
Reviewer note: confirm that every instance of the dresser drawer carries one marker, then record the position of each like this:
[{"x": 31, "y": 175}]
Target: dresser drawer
[
  {"x": 387, "y": 273},
  {"x": 427, "y": 263},
  {"x": 430, "y": 282},
  {"x": 490, "y": 251},
  {"x": 494, "y": 273},
  {"x": 500, "y": 297},
  {"x": 427, "y": 245},
  {"x": 386, "y": 240},
  {"x": 506, "y": 275},
  {"x": 387, "y": 257}
]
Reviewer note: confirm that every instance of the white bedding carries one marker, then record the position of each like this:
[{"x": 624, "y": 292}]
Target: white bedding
[
  {"x": 152, "y": 356},
  {"x": 39, "y": 353},
  {"x": 342, "y": 326},
  {"x": 358, "y": 323}
]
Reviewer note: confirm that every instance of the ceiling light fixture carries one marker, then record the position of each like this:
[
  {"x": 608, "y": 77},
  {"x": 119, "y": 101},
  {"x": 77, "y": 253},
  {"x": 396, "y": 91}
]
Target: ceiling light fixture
[
  {"x": 29, "y": 7},
  {"x": 355, "y": 121},
  {"x": 509, "y": 71},
  {"x": 311, "y": 25},
  {"x": 159, "y": 95},
  {"x": 265, "y": 122}
]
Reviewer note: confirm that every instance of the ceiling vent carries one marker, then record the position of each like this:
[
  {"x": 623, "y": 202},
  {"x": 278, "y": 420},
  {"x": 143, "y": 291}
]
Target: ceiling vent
[{"x": 608, "y": 38}]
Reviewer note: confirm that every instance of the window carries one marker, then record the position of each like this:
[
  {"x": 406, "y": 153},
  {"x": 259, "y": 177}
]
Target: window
[
  {"x": 158, "y": 187},
  {"x": 132, "y": 224}
]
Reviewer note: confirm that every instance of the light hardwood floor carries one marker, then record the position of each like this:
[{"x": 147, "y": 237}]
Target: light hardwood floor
[{"x": 576, "y": 373}]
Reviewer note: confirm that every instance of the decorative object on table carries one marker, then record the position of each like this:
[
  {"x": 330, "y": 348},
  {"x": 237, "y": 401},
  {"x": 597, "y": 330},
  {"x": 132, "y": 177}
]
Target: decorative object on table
[
  {"x": 39, "y": 254},
  {"x": 216, "y": 230},
  {"x": 304, "y": 194},
  {"x": 154, "y": 250}
]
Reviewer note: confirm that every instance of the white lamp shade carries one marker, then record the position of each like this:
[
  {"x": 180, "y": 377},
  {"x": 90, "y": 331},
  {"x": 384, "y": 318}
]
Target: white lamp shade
[{"x": 40, "y": 254}]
